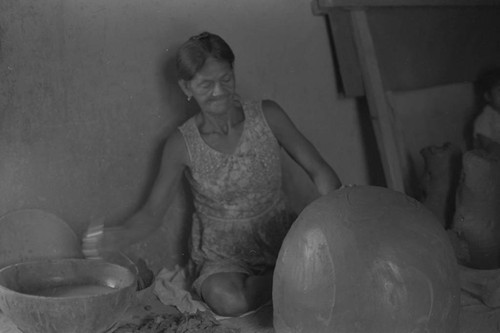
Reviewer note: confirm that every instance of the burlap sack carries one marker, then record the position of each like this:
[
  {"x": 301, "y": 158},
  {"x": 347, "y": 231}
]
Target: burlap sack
[
  {"x": 477, "y": 216},
  {"x": 440, "y": 180}
]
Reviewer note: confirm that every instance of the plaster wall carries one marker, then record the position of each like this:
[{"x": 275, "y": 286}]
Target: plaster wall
[{"x": 85, "y": 105}]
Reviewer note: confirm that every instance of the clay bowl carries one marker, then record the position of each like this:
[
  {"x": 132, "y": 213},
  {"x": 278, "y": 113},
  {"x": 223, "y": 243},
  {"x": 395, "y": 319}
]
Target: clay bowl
[{"x": 66, "y": 295}]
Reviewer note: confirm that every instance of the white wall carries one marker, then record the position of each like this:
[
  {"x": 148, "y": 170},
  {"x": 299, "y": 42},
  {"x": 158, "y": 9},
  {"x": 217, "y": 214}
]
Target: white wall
[{"x": 84, "y": 108}]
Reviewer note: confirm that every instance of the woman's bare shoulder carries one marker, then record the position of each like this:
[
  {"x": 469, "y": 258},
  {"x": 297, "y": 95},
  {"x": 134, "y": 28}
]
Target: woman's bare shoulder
[
  {"x": 270, "y": 105},
  {"x": 273, "y": 112}
]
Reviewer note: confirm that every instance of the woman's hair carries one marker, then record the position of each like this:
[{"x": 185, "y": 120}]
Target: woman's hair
[
  {"x": 486, "y": 80},
  {"x": 192, "y": 55}
]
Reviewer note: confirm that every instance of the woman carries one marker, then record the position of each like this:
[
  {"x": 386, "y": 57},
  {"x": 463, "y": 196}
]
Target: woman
[{"x": 230, "y": 154}]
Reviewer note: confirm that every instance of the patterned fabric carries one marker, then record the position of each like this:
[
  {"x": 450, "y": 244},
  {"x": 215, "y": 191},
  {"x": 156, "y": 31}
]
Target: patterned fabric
[{"x": 240, "y": 216}]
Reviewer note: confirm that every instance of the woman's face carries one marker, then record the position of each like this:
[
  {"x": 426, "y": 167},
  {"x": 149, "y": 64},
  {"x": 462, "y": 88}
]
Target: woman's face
[{"x": 213, "y": 86}]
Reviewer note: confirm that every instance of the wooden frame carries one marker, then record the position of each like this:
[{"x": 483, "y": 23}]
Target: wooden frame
[
  {"x": 389, "y": 143},
  {"x": 360, "y": 40},
  {"x": 401, "y": 3}
]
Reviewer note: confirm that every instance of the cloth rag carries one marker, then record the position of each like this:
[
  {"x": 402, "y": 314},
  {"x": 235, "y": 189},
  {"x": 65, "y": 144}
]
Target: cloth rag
[{"x": 172, "y": 287}]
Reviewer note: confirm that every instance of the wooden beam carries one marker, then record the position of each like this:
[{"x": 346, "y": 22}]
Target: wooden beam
[
  {"x": 324, "y": 4},
  {"x": 383, "y": 120}
]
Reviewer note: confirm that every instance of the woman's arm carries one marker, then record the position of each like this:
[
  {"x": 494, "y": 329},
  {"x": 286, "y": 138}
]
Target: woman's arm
[
  {"x": 149, "y": 217},
  {"x": 300, "y": 149}
]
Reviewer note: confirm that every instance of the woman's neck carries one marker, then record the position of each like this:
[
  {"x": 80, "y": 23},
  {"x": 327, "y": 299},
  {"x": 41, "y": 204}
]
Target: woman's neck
[{"x": 221, "y": 123}]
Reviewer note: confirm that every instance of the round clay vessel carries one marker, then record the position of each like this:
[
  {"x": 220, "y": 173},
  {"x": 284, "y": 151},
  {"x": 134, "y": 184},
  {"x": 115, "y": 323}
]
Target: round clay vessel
[{"x": 366, "y": 259}]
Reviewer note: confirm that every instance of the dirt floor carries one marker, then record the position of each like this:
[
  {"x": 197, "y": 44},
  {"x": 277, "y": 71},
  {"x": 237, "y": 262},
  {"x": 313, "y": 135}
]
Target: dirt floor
[{"x": 475, "y": 317}]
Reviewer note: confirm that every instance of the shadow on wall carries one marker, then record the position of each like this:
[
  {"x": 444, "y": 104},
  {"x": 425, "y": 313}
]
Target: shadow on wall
[
  {"x": 375, "y": 170},
  {"x": 171, "y": 93},
  {"x": 169, "y": 245},
  {"x": 177, "y": 110}
]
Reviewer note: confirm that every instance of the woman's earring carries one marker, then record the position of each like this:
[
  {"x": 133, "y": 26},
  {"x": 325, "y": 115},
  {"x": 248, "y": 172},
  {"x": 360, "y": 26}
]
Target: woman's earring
[{"x": 189, "y": 98}]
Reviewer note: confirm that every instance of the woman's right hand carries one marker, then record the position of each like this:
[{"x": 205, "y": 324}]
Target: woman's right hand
[{"x": 92, "y": 239}]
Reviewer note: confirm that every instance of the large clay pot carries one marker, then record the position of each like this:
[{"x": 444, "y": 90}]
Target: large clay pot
[{"x": 366, "y": 260}]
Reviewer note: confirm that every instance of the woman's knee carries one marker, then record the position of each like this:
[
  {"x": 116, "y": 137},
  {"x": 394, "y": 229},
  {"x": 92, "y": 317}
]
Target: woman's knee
[{"x": 225, "y": 294}]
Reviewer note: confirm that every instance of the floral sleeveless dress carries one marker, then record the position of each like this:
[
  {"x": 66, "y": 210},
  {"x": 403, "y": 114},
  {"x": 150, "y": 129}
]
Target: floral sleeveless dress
[{"x": 241, "y": 216}]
